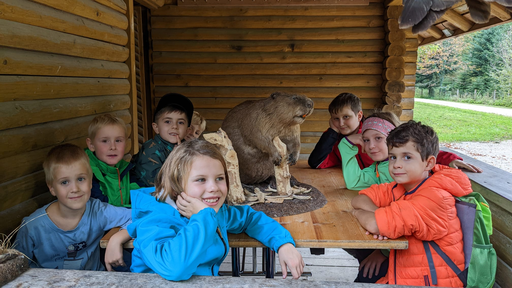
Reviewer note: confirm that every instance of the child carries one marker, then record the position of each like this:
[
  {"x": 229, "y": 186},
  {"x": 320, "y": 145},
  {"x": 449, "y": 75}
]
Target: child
[
  {"x": 419, "y": 205},
  {"x": 106, "y": 144},
  {"x": 181, "y": 228},
  {"x": 373, "y": 139},
  {"x": 66, "y": 233},
  {"x": 173, "y": 116},
  {"x": 346, "y": 119},
  {"x": 197, "y": 127}
]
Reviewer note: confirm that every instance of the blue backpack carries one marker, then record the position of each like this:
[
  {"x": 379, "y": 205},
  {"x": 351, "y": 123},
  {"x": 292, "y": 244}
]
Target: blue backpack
[{"x": 480, "y": 257}]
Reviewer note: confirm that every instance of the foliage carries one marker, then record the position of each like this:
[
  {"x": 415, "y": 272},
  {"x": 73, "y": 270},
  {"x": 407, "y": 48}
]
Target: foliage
[
  {"x": 458, "y": 125},
  {"x": 478, "y": 63}
]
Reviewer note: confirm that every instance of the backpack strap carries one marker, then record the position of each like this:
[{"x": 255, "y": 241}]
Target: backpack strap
[
  {"x": 461, "y": 274},
  {"x": 430, "y": 260}
]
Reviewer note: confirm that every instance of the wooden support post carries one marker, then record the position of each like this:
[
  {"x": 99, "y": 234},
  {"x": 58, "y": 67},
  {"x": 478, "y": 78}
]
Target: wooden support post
[
  {"x": 282, "y": 171},
  {"x": 221, "y": 140},
  {"x": 394, "y": 63}
]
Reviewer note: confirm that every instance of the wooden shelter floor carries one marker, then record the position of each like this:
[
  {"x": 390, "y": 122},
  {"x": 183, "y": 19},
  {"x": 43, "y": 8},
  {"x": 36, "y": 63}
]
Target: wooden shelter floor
[{"x": 334, "y": 265}]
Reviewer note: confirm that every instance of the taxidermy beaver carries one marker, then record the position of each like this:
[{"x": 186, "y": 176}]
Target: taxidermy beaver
[{"x": 252, "y": 125}]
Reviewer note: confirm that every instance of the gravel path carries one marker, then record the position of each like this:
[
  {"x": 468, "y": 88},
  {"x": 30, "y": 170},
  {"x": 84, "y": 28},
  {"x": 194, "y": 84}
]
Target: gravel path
[{"x": 497, "y": 154}]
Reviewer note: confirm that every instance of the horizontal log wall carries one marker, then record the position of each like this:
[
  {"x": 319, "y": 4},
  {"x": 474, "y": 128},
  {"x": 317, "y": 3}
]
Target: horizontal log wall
[
  {"x": 62, "y": 63},
  {"x": 222, "y": 56}
]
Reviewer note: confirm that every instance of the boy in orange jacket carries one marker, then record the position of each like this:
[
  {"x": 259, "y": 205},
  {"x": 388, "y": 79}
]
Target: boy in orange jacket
[{"x": 419, "y": 205}]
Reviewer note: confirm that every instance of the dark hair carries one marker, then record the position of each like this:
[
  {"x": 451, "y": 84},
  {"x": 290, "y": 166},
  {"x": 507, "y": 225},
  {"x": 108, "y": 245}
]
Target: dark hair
[
  {"x": 423, "y": 136},
  {"x": 173, "y": 102},
  {"x": 345, "y": 99}
]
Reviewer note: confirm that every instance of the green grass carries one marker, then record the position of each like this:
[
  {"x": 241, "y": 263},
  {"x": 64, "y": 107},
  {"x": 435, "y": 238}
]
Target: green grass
[{"x": 458, "y": 125}]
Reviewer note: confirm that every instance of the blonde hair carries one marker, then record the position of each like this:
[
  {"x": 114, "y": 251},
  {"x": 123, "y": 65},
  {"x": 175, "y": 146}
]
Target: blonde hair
[
  {"x": 65, "y": 154},
  {"x": 176, "y": 168},
  {"x": 197, "y": 119},
  {"x": 101, "y": 121}
]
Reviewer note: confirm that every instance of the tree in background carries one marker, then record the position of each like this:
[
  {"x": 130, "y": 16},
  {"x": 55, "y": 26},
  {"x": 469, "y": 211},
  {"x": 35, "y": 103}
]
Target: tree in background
[
  {"x": 437, "y": 64},
  {"x": 504, "y": 52},
  {"x": 482, "y": 60}
]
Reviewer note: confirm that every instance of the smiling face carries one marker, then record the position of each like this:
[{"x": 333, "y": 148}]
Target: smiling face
[
  {"x": 71, "y": 185},
  {"x": 406, "y": 166},
  {"x": 194, "y": 131},
  {"x": 206, "y": 181},
  {"x": 375, "y": 145},
  {"x": 346, "y": 121},
  {"x": 109, "y": 144},
  {"x": 172, "y": 127}
]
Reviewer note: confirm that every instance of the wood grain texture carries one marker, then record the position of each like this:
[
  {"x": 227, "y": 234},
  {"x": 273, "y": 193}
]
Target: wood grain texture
[
  {"x": 264, "y": 22},
  {"x": 35, "y": 14},
  {"x": 268, "y": 34},
  {"x": 12, "y": 217},
  {"x": 373, "y": 9},
  {"x": 23, "y": 36},
  {"x": 263, "y": 92},
  {"x": 278, "y": 57},
  {"x": 16, "y": 88},
  {"x": 267, "y": 69},
  {"x": 270, "y": 81},
  {"x": 23, "y": 62},
  {"x": 89, "y": 9},
  {"x": 23, "y": 113},
  {"x": 270, "y": 46}
]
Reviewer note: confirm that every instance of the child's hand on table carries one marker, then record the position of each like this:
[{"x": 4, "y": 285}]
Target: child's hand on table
[
  {"x": 379, "y": 237},
  {"x": 372, "y": 263},
  {"x": 459, "y": 164},
  {"x": 289, "y": 257},
  {"x": 188, "y": 206}
]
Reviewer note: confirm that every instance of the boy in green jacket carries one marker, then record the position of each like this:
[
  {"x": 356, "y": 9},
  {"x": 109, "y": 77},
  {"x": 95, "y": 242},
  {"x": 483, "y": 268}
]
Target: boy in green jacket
[{"x": 106, "y": 144}]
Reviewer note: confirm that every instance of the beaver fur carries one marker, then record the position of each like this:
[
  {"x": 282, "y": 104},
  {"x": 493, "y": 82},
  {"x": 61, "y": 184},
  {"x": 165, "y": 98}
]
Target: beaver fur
[{"x": 252, "y": 125}]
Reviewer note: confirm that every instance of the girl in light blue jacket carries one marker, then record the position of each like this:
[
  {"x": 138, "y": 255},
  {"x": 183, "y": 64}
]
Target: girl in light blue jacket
[{"x": 180, "y": 228}]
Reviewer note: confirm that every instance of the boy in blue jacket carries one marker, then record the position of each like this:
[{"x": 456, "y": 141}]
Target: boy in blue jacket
[{"x": 180, "y": 229}]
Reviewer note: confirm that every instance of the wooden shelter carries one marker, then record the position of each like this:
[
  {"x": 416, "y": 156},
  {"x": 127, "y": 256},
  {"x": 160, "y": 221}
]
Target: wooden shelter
[{"x": 62, "y": 62}]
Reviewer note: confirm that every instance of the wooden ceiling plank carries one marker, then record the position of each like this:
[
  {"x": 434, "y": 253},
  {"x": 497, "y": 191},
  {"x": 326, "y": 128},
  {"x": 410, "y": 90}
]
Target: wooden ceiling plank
[
  {"x": 500, "y": 11},
  {"x": 457, "y": 20},
  {"x": 435, "y": 32}
]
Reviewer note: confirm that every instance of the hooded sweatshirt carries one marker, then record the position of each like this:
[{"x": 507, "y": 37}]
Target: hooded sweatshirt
[
  {"x": 176, "y": 247},
  {"x": 113, "y": 182},
  {"x": 426, "y": 213}
]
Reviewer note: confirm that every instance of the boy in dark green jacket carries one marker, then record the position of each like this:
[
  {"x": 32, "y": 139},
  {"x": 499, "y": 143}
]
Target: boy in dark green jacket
[
  {"x": 106, "y": 144},
  {"x": 173, "y": 116}
]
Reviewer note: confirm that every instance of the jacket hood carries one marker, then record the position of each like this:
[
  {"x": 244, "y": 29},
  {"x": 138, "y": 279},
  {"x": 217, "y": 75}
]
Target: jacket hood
[{"x": 450, "y": 179}]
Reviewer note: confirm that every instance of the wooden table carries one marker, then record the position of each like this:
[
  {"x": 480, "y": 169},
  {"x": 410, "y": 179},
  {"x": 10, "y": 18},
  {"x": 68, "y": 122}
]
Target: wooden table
[{"x": 331, "y": 226}]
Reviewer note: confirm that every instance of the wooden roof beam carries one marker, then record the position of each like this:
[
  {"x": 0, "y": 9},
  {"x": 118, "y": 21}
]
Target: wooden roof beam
[
  {"x": 435, "y": 32},
  {"x": 457, "y": 20},
  {"x": 499, "y": 11}
]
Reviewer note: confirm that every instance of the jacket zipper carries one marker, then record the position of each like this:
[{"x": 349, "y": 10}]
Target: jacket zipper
[
  {"x": 120, "y": 189},
  {"x": 225, "y": 248}
]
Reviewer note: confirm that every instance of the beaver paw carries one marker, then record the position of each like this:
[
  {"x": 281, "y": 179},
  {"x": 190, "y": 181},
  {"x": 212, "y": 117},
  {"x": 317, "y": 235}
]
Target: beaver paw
[
  {"x": 276, "y": 160},
  {"x": 292, "y": 160}
]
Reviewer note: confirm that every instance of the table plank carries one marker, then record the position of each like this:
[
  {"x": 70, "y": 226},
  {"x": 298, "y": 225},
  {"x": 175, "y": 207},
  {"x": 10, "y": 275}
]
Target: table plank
[{"x": 331, "y": 226}]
